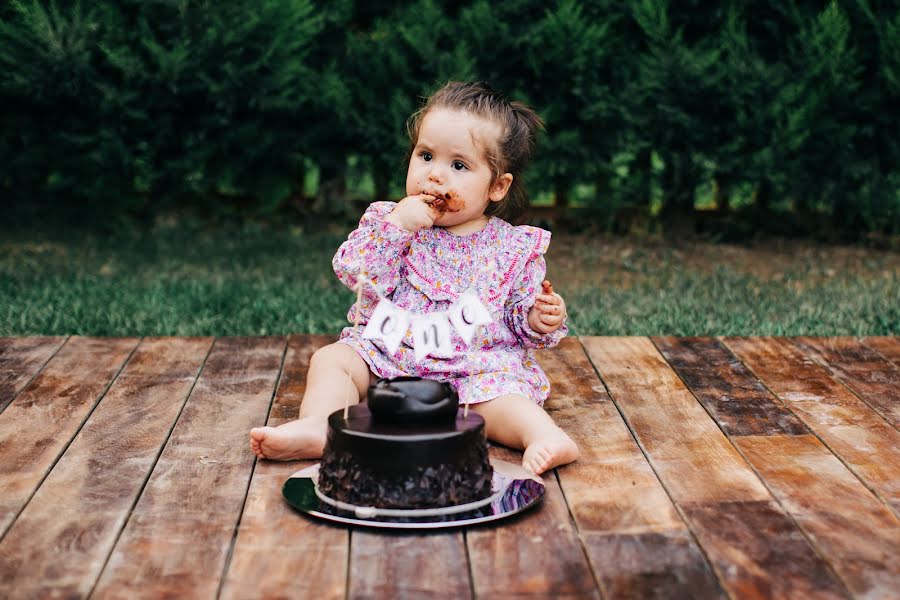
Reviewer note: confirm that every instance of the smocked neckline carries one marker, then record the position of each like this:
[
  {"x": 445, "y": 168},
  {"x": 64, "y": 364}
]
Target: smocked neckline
[{"x": 469, "y": 236}]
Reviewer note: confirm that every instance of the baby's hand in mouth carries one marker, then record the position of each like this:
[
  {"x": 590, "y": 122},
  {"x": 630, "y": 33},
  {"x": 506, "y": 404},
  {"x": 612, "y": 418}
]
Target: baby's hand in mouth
[{"x": 444, "y": 203}]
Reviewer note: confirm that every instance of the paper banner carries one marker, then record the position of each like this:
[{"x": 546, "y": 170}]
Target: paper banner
[
  {"x": 467, "y": 315},
  {"x": 431, "y": 335},
  {"x": 388, "y": 323}
]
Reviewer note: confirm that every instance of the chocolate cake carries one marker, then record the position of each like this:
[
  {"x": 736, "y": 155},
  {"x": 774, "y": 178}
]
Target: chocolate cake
[{"x": 409, "y": 447}]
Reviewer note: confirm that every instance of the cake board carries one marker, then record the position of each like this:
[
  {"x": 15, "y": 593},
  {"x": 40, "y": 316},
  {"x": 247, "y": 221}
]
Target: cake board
[{"x": 513, "y": 490}]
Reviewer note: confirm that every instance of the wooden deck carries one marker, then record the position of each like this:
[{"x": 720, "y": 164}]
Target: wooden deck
[{"x": 711, "y": 468}]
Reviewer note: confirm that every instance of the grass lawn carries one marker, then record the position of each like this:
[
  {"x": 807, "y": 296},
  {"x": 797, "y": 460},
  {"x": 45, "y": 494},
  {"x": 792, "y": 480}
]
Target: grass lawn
[{"x": 252, "y": 280}]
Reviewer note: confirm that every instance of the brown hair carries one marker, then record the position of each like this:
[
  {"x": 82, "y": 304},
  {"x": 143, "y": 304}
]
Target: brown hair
[{"x": 519, "y": 125}]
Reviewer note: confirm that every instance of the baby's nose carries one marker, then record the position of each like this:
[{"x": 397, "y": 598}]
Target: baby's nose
[{"x": 435, "y": 175}]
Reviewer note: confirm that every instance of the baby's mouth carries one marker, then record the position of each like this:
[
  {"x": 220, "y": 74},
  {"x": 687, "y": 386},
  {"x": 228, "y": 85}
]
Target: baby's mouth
[{"x": 444, "y": 203}]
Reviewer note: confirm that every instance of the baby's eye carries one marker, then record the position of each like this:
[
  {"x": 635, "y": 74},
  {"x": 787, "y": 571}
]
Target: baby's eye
[
  {"x": 426, "y": 156},
  {"x": 459, "y": 165}
]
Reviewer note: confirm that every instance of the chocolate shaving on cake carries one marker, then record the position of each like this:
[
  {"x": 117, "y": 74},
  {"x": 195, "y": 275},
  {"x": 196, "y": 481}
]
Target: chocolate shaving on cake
[{"x": 430, "y": 487}]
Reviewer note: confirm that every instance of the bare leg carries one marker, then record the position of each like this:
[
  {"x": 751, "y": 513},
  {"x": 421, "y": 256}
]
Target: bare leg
[
  {"x": 517, "y": 422},
  {"x": 336, "y": 374}
]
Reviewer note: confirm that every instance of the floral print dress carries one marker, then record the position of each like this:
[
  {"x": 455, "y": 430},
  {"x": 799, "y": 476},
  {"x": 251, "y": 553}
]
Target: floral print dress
[{"x": 426, "y": 272}]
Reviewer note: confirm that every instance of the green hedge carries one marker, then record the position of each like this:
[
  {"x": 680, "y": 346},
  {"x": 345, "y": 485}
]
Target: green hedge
[{"x": 127, "y": 107}]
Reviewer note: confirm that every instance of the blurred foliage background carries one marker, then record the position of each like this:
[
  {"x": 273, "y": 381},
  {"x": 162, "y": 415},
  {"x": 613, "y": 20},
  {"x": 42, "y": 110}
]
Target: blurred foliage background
[{"x": 740, "y": 116}]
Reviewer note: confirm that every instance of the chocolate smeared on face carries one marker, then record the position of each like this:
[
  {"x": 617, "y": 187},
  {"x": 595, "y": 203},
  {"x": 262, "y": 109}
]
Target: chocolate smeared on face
[{"x": 444, "y": 203}]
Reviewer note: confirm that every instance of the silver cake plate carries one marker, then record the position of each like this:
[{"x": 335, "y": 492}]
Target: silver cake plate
[{"x": 513, "y": 490}]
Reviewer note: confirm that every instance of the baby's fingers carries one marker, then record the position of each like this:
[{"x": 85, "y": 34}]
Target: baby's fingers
[
  {"x": 549, "y": 309},
  {"x": 551, "y": 320}
]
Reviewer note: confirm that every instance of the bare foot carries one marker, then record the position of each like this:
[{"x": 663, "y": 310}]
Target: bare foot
[
  {"x": 303, "y": 438},
  {"x": 547, "y": 453}
]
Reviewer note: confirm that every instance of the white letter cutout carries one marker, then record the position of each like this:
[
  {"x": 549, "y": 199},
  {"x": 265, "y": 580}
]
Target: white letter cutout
[
  {"x": 431, "y": 335},
  {"x": 467, "y": 315},
  {"x": 388, "y": 323}
]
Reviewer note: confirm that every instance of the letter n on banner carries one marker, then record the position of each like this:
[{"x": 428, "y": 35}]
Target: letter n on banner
[{"x": 431, "y": 335}]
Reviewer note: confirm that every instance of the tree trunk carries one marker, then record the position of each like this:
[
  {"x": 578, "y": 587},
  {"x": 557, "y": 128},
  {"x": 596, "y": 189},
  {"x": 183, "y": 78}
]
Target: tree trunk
[
  {"x": 301, "y": 181},
  {"x": 762, "y": 203},
  {"x": 643, "y": 171},
  {"x": 722, "y": 193},
  {"x": 603, "y": 185},
  {"x": 381, "y": 177},
  {"x": 561, "y": 192},
  {"x": 331, "y": 197},
  {"x": 678, "y": 195}
]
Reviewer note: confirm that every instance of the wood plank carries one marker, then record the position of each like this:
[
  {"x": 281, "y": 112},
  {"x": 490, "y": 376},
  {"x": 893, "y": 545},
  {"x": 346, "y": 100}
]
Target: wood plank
[
  {"x": 680, "y": 439},
  {"x": 39, "y": 424},
  {"x": 755, "y": 548},
  {"x": 408, "y": 565},
  {"x": 278, "y": 552},
  {"x": 637, "y": 544},
  {"x": 735, "y": 399},
  {"x": 61, "y": 540},
  {"x": 850, "y": 428},
  {"x": 20, "y": 360},
  {"x": 507, "y": 559},
  {"x": 887, "y": 346},
  {"x": 537, "y": 554},
  {"x": 853, "y": 531},
  {"x": 179, "y": 534},
  {"x": 866, "y": 372}
]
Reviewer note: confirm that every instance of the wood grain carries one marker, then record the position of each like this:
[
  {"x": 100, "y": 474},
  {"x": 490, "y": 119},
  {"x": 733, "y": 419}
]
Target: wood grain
[
  {"x": 736, "y": 400},
  {"x": 755, "y": 548},
  {"x": 537, "y": 554},
  {"x": 637, "y": 544},
  {"x": 760, "y": 551},
  {"x": 179, "y": 534},
  {"x": 850, "y": 428},
  {"x": 408, "y": 565},
  {"x": 866, "y": 372},
  {"x": 280, "y": 553},
  {"x": 676, "y": 433},
  {"x": 887, "y": 346},
  {"x": 853, "y": 531},
  {"x": 20, "y": 359},
  {"x": 61, "y": 540},
  {"x": 39, "y": 424}
]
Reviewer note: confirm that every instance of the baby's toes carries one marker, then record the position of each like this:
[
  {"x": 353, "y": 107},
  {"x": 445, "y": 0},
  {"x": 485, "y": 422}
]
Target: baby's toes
[{"x": 543, "y": 458}]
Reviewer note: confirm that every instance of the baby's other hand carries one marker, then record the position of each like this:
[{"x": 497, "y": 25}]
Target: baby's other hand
[
  {"x": 413, "y": 213},
  {"x": 548, "y": 313}
]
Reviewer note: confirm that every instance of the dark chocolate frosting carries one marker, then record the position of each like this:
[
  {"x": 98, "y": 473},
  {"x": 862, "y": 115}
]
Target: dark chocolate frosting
[
  {"x": 412, "y": 400},
  {"x": 375, "y": 463},
  {"x": 393, "y": 446}
]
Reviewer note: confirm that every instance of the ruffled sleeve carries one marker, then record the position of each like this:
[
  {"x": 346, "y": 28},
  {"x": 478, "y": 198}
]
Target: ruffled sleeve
[
  {"x": 375, "y": 248},
  {"x": 534, "y": 243}
]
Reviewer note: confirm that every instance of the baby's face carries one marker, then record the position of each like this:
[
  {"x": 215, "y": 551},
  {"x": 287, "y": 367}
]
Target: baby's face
[{"x": 449, "y": 158}]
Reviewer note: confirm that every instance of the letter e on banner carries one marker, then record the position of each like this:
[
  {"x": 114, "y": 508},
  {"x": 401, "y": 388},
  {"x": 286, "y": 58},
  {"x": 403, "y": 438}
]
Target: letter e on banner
[
  {"x": 431, "y": 335},
  {"x": 388, "y": 323},
  {"x": 467, "y": 315}
]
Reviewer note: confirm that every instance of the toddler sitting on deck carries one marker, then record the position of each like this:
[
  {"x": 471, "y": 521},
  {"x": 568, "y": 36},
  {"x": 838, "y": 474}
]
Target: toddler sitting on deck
[{"x": 469, "y": 147}]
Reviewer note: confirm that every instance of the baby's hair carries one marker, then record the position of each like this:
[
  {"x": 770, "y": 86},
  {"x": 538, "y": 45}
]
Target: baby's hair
[{"x": 519, "y": 126}]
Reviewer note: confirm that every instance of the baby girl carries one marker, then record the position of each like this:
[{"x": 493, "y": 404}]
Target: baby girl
[{"x": 449, "y": 235}]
